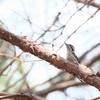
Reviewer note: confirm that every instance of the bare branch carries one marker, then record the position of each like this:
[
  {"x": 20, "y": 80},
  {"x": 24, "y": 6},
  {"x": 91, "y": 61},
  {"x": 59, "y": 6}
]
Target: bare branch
[
  {"x": 92, "y": 3},
  {"x": 54, "y": 59},
  {"x": 20, "y": 96}
]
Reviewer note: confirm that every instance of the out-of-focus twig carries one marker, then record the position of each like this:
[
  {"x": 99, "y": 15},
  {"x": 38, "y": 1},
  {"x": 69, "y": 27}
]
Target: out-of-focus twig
[
  {"x": 84, "y": 54},
  {"x": 93, "y": 3}
]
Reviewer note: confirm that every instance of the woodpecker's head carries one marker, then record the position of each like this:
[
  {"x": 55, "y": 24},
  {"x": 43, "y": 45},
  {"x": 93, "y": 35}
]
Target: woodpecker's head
[{"x": 70, "y": 48}]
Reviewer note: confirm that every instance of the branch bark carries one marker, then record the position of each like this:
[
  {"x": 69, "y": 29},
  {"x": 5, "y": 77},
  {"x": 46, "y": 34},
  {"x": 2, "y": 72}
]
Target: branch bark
[
  {"x": 54, "y": 59},
  {"x": 20, "y": 96}
]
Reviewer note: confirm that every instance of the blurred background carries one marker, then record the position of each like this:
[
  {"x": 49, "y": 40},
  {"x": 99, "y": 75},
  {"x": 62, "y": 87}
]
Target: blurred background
[{"x": 50, "y": 23}]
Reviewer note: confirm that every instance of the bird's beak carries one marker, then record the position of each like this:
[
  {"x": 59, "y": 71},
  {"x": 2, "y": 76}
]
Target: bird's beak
[{"x": 65, "y": 43}]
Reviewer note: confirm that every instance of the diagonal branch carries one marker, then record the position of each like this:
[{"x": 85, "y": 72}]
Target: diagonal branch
[
  {"x": 54, "y": 59},
  {"x": 90, "y": 2},
  {"x": 92, "y": 60}
]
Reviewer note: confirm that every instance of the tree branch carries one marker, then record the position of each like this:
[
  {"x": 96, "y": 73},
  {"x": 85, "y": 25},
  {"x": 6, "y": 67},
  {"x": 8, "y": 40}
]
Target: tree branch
[
  {"x": 90, "y": 2},
  {"x": 92, "y": 60},
  {"x": 54, "y": 59}
]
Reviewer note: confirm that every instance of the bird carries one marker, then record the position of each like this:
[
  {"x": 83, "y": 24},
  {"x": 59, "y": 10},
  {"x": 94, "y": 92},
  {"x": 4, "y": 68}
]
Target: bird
[{"x": 71, "y": 56}]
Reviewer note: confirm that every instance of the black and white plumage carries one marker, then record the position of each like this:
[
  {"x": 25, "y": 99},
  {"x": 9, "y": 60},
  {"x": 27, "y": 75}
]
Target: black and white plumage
[{"x": 71, "y": 56}]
